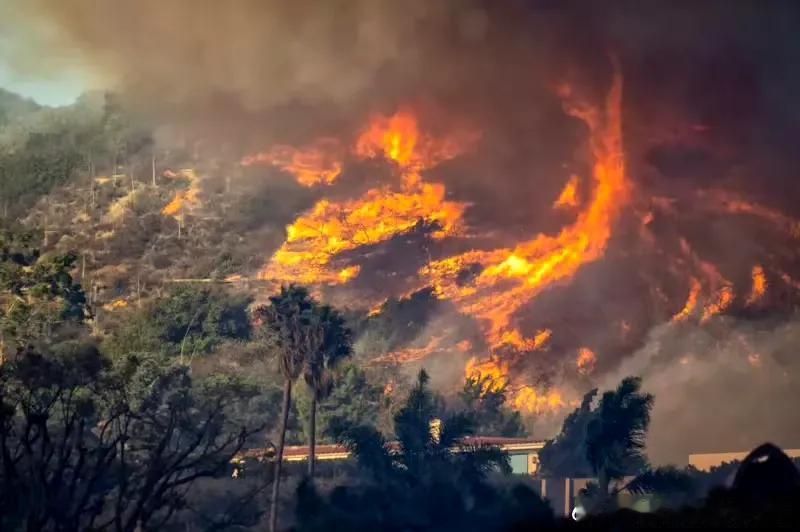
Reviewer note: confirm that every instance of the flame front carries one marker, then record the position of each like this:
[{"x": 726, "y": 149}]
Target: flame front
[
  {"x": 184, "y": 200},
  {"x": 691, "y": 302},
  {"x": 569, "y": 195},
  {"x": 759, "y": 285},
  {"x": 331, "y": 228},
  {"x": 512, "y": 277},
  {"x": 495, "y": 285},
  {"x": 319, "y": 164}
]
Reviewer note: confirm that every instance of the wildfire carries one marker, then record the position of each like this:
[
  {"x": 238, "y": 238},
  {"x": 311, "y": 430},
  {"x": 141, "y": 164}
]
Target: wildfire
[
  {"x": 183, "y": 199},
  {"x": 514, "y": 338},
  {"x": 726, "y": 201},
  {"x": 528, "y": 399},
  {"x": 331, "y": 228},
  {"x": 569, "y": 195},
  {"x": 116, "y": 305},
  {"x": 585, "y": 361},
  {"x": 759, "y": 285},
  {"x": 437, "y": 344},
  {"x": 512, "y": 277},
  {"x": 691, "y": 302},
  {"x": 723, "y": 301},
  {"x": 318, "y": 164},
  {"x": 493, "y": 374}
]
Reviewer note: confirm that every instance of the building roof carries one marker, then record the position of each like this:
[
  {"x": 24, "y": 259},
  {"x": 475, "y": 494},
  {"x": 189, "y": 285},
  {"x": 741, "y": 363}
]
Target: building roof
[
  {"x": 705, "y": 461},
  {"x": 296, "y": 453}
]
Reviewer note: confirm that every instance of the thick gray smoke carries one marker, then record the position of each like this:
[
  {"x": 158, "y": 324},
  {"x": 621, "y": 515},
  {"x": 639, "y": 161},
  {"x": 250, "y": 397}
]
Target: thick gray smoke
[{"x": 724, "y": 388}]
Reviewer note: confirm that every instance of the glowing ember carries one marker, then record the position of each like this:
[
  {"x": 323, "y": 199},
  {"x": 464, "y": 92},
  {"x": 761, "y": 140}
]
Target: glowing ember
[
  {"x": 319, "y": 164},
  {"x": 569, "y": 195},
  {"x": 759, "y": 285},
  {"x": 585, "y": 361}
]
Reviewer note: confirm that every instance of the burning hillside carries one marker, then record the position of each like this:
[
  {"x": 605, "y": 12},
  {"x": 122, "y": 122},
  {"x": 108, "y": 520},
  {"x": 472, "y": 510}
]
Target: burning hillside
[
  {"x": 531, "y": 192},
  {"x": 498, "y": 287}
]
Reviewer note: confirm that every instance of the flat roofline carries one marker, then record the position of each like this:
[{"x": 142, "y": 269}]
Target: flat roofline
[
  {"x": 297, "y": 453},
  {"x": 787, "y": 451}
]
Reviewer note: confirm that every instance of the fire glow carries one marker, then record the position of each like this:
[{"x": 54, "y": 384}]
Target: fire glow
[
  {"x": 493, "y": 285},
  {"x": 333, "y": 227}
]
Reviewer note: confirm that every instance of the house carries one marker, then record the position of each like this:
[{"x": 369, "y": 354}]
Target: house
[{"x": 523, "y": 452}]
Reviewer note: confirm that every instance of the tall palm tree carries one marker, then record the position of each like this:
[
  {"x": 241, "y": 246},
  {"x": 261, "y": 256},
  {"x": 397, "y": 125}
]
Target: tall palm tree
[
  {"x": 615, "y": 437},
  {"x": 333, "y": 344},
  {"x": 290, "y": 324}
]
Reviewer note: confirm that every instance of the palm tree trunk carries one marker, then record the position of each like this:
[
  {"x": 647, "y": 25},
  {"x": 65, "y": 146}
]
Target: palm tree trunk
[
  {"x": 603, "y": 482},
  {"x": 312, "y": 427},
  {"x": 276, "y": 482}
]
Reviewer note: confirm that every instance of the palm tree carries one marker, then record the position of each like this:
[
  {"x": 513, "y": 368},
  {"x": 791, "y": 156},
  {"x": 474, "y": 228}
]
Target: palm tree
[
  {"x": 333, "y": 344},
  {"x": 422, "y": 454},
  {"x": 289, "y": 323},
  {"x": 433, "y": 477},
  {"x": 615, "y": 437}
]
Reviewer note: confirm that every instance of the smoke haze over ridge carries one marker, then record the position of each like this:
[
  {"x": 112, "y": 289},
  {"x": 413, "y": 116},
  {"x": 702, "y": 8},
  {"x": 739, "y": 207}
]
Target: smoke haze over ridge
[{"x": 710, "y": 103}]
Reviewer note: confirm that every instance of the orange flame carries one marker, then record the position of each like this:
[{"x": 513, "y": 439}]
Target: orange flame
[
  {"x": 585, "y": 361},
  {"x": 759, "y": 285},
  {"x": 512, "y": 277},
  {"x": 493, "y": 374},
  {"x": 331, "y": 228},
  {"x": 529, "y": 399},
  {"x": 727, "y": 201},
  {"x": 723, "y": 301},
  {"x": 691, "y": 302},
  {"x": 569, "y": 195},
  {"x": 318, "y": 164},
  {"x": 184, "y": 199}
]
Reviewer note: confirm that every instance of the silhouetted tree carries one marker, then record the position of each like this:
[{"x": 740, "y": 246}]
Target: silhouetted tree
[
  {"x": 334, "y": 345},
  {"x": 432, "y": 478},
  {"x": 85, "y": 445},
  {"x": 615, "y": 436},
  {"x": 290, "y": 325},
  {"x": 486, "y": 406},
  {"x": 38, "y": 296},
  {"x": 565, "y": 455}
]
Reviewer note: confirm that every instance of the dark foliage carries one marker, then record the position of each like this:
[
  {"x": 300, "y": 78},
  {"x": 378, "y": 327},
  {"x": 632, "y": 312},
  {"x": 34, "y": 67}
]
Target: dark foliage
[
  {"x": 431, "y": 479},
  {"x": 486, "y": 406},
  {"x": 86, "y": 445}
]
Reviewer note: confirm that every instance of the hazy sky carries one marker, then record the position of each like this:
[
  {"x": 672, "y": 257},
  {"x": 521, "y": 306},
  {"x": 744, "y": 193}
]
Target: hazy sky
[
  {"x": 52, "y": 75},
  {"x": 59, "y": 90}
]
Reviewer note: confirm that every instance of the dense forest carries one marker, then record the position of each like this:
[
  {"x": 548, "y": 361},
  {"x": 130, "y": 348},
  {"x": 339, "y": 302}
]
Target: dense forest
[{"x": 137, "y": 371}]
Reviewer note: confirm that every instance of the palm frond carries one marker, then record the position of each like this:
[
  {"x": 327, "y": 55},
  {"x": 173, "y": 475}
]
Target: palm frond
[{"x": 661, "y": 480}]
